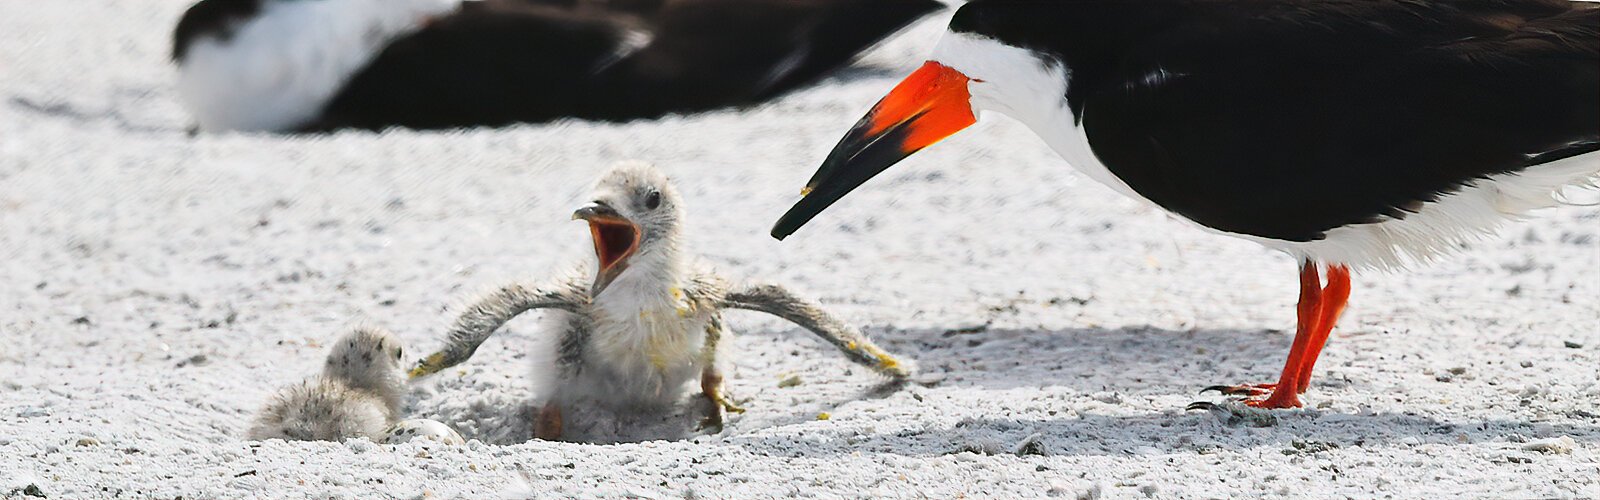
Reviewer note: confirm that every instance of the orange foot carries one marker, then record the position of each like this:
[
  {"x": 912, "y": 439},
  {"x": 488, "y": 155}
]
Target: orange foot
[
  {"x": 1265, "y": 396},
  {"x": 1278, "y": 400},
  {"x": 1251, "y": 390}
]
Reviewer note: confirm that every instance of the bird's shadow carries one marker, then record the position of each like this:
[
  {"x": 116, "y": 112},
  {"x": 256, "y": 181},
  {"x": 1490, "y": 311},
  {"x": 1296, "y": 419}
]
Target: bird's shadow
[
  {"x": 1115, "y": 367},
  {"x": 1162, "y": 433},
  {"x": 1134, "y": 359},
  {"x": 117, "y": 113}
]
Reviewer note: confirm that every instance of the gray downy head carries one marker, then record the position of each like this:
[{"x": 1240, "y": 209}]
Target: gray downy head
[
  {"x": 634, "y": 217},
  {"x": 368, "y": 359}
]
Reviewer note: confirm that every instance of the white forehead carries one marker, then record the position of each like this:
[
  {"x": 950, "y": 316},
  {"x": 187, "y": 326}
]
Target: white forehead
[
  {"x": 368, "y": 337},
  {"x": 983, "y": 58},
  {"x": 1014, "y": 81},
  {"x": 631, "y": 175}
]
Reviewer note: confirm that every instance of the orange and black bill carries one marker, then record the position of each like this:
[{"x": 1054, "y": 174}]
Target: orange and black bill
[{"x": 927, "y": 106}]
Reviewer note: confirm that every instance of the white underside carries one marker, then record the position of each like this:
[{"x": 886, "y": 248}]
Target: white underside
[
  {"x": 1018, "y": 83},
  {"x": 646, "y": 343},
  {"x": 1470, "y": 213},
  {"x": 280, "y": 68}
]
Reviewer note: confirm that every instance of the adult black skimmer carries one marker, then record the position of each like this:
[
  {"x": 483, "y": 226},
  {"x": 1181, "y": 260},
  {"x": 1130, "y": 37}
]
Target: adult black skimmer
[
  {"x": 1367, "y": 134},
  {"x": 289, "y": 65}
]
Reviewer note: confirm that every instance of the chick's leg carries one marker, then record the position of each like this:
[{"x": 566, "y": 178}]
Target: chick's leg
[
  {"x": 547, "y": 424},
  {"x": 711, "y": 384},
  {"x": 711, "y": 388},
  {"x": 711, "y": 378}
]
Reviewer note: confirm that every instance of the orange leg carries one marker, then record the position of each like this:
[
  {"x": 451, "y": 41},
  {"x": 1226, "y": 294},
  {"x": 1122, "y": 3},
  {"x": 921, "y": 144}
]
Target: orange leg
[
  {"x": 1334, "y": 298},
  {"x": 1317, "y": 311},
  {"x": 547, "y": 424},
  {"x": 1284, "y": 393}
]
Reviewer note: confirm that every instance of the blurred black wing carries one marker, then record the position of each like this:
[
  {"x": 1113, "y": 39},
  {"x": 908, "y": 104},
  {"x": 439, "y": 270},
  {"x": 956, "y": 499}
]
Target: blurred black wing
[
  {"x": 494, "y": 63},
  {"x": 504, "y": 61},
  {"x": 209, "y": 18}
]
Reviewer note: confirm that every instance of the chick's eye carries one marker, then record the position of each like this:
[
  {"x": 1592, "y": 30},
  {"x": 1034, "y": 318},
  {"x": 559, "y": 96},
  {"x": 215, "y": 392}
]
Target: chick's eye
[
  {"x": 398, "y": 353},
  {"x": 652, "y": 201}
]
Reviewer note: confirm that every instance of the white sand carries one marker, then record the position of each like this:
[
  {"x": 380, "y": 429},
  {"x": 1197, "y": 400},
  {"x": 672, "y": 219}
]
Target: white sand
[{"x": 155, "y": 288}]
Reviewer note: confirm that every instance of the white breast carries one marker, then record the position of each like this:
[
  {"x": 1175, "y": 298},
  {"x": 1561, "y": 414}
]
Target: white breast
[
  {"x": 280, "y": 68},
  {"x": 646, "y": 344}
]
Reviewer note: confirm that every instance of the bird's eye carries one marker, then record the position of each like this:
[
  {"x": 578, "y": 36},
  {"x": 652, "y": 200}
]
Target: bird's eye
[
  {"x": 399, "y": 353},
  {"x": 652, "y": 201}
]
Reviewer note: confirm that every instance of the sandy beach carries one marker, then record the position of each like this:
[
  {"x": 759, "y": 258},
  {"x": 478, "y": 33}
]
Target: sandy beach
[{"x": 156, "y": 288}]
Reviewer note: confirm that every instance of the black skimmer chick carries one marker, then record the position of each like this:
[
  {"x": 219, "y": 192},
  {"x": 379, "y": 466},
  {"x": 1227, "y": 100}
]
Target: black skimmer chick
[
  {"x": 647, "y": 319},
  {"x": 357, "y": 395},
  {"x": 295, "y": 65},
  {"x": 1365, "y": 134}
]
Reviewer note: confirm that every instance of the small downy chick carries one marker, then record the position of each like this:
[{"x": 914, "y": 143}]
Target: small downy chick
[
  {"x": 648, "y": 319},
  {"x": 357, "y": 395}
]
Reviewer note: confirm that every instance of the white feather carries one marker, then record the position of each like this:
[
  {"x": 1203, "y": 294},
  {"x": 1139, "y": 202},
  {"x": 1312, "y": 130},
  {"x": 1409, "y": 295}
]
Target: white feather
[
  {"x": 280, "y": 68},
  {"x": 1020, "y": 84},
  {"x": 643, "y": 350},
  {"x": 1017, "y": 83},
  {"x": 1470, "y": 213}
]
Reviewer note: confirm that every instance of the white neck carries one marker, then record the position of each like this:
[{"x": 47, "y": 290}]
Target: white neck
[
  {"x": 648, "y": 281},
  {"x": 280, "y": 68},
  {"x": 1031, "y": 89}
]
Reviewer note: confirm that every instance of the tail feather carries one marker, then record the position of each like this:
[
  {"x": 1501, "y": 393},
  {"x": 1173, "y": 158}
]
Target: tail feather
[{"x": 1541, "y": 184}]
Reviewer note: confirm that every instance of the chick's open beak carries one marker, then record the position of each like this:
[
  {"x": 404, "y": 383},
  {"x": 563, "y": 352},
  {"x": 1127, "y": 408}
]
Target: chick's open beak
[{"x": 615, "y": 239}]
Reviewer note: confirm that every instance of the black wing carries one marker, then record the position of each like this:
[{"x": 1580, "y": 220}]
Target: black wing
[
  {"x": 494, "y": 63},
  {"x": 726, "y": 51},
  {"x": 1286, "y": 119},
  {"x": 762, "y": 49},
  {"x": 209, "y": 18},
  {"x": 503, "y": 61}
]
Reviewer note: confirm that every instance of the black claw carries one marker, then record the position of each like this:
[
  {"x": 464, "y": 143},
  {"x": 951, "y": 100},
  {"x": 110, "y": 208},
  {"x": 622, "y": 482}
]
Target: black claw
[
  {"x": 1221, "y": 389},
  {"x": 1200, "y": 405}
]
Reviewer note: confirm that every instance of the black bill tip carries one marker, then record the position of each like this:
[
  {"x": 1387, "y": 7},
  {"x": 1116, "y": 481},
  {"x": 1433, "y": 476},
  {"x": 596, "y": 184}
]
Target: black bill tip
[{"x": 857, "y": 158}]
